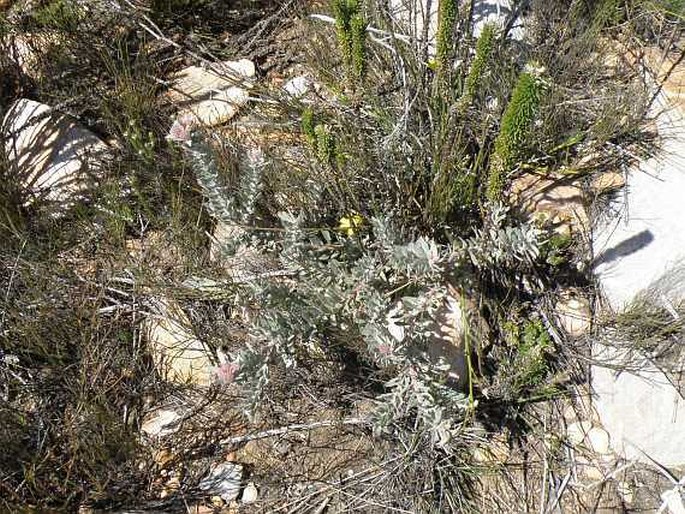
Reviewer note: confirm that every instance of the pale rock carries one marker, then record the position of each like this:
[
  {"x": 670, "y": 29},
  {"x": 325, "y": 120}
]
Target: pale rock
[
  {"x": 642, "y": 411},
  {"x": 297, "y": 87},
  {"x": 250, "y": 493},
  {"x": 593, "y": 472},
  {"x": 196, "y": 82},
  {"x": 224, "y": 234},
  {"x": 673, "y": 78},
  {"x": 212, "y": 96},
  {"x": 179, "y": 356},
  {"x": 598, "y": 440},
  {"x": 243, "y": 262},
  {"x": 496, "y": 12},
  {"x": 607, "y": 182},
  {"x": 447, "y": 340},
  {"x": 625, "y": 490},
  {"x": 581, "y": 409},
  {"x": 673, "y": 500},
  {"x": 52, "y": 155},
  {"x": 496, "y": 452},
  {"x": 642, "y": 238},
  {"x": 577, "y": 432},
  {"x": 589, "y": 470},
  {"x": 26, "y": 50},
  {"x": 589, "y": 159},
  {"x": 638, "y": 247},
  {"x": 552, "y": 199},
  {"x": 223, "y": 480},
  {"x": 218, "y": 109},
  {"x": 160, "y": 423},
  {"x": 573, "y": 314}
]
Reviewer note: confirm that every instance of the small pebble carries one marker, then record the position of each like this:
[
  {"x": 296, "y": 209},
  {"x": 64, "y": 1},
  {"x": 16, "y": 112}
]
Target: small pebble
[{"x": 250, "y": 493}]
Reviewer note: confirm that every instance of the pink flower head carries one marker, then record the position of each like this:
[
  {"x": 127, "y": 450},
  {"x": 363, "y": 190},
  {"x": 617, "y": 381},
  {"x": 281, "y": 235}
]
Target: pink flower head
[
  {"x": 182, "y": 129},
  {"x": 384, "y": 349},
  {"x": 226, "y": 373}
]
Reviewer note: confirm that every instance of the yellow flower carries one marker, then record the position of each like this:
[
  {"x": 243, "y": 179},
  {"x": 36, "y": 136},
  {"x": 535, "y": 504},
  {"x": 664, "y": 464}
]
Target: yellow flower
[{"x": 350, "y": 224}]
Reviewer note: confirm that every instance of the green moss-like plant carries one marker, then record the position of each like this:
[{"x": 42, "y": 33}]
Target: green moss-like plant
[
  {"x": 325, "y": 145},
  {"x": 358, "y": 50},
  {"x": 59, "y": 15},
  {"x": 535, "y": 343},
  {"x": 484, "y": 47},
  {"x": 308, "y": 125},
  {"x": 447, "y": 18},
  {"x": 607, "y": 13},
  {"x": 319, "y": 138},
  {"x": 515, "y": 128},
  {"x": 343, "y": 13},
  {"x": 351, "y": 33},
  {"x": 530, "y": 343}
]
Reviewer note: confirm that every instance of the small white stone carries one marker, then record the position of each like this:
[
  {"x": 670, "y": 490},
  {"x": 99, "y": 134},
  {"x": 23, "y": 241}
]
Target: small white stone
[
  {"x": 674, "y": 501},
  {"x": 297, "y": 87},
  {"x": 179, "y": 356},
  {"x": 577, "y": 432},
  {"x": 212, "y": 96},
  {"x": 224, "y": 480},
  {"x": 573, "y": 313},
  {"x": 51, "y": 154},
  {"x": 250, "y": 493},
  {"x": 218, "y": 109},
  {"x": 625, "y": 490},
  {"x": 598, "y": 440},
  {"x": 593, "y": 472},
  {"x": 157, "y": 423}
]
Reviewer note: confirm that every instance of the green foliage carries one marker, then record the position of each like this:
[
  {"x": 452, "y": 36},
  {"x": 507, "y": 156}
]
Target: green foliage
[
  {"x": 343, "y": 11},
  {"x": 515, "y": 128},
  {"x": 69, "y": 375},
  {"x": 484, "y": 48},
  {"x": 555, "y": 249},
  {"x": 672, "y": 7},
  {"x": 445, "y": 43},
  {"x": 142, "y": 144},
  {"x": 528, "y": 368},
  {"x": 346, "y": 289},
  {"x": 325, "y": 144},
  {"x": 320, "y": 138},
  {"x": 351, "y": 33},
  {"x": 65, "y": 15},
  {"x": 349, "y": 293},
  {"x": 308, "y": 124},
  {"x": 222, "y": 204},
  {"x": 358, "y": 50},
  {"x": 499, "y": 245},
  {"x": 607, "y": 13}
]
